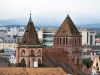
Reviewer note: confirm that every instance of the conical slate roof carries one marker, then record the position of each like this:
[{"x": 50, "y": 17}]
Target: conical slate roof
[
  {"x": 67, "y": 28},
  {"x": 30, "y": 36}
]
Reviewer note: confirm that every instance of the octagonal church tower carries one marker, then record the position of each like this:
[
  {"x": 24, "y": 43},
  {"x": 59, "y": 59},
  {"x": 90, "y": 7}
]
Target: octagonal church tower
[
  {"x": 29, "y": 49},
  {"x": 69, "y": 38}
]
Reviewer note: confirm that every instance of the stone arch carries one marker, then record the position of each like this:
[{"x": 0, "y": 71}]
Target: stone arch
[
  {"x": 32, "y": 53},
  {"x": 23, "y": 61},
  {"x": 23, "y": 53},
  {"x": 39, "y": 61}
]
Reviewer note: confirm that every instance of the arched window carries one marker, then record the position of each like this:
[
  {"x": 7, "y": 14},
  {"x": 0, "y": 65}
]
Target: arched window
[
  {"x": 32, "y": 53},
  {"x": 39, "y": 52},
  {"x": 23, "y": 53},
  {"x": 39, "y": 61},
  {"x": 23, "y": 61}
]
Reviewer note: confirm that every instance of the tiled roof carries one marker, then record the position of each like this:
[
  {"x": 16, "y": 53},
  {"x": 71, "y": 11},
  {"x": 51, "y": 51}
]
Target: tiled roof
[
  {"x": 67, "y": 28},
  {"x": 58, "y": 58},
  {"x": 30, "y": 36},
  {"x": 31, "y": 71}
]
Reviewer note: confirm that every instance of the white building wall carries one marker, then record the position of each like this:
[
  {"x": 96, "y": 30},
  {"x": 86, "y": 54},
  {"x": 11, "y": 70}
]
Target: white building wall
[
  {"x": 12, "y": 59},
  {"x": 86, "y": 37}
]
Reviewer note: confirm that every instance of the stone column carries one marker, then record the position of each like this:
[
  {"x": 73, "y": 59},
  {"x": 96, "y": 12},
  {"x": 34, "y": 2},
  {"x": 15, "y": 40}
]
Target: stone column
[
  {"x": 31, "y": 62},
  {"x": 27, "y": 62}
]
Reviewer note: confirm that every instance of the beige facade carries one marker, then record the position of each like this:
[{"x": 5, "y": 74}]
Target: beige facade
[
  {"x": 88, "y": 36},
  {"x": 7, "y": 45}
]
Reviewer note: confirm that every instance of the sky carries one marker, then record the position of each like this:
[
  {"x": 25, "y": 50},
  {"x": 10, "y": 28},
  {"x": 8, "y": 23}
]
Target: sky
[{"x": 20, "y": 8}]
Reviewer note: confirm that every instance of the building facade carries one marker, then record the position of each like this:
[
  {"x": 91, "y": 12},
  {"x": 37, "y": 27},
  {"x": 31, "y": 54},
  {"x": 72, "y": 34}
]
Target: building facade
[{"x": 88, "y": 36}]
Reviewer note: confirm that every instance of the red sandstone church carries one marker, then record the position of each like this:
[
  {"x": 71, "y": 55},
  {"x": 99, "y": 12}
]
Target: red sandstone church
[{"x": 66, "y": 51}]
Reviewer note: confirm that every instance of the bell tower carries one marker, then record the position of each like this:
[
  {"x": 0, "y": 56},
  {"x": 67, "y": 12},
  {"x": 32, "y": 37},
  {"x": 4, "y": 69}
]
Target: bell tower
[
  {"x": 29, "y": 50},
  {"x": 69, "y": 38}
]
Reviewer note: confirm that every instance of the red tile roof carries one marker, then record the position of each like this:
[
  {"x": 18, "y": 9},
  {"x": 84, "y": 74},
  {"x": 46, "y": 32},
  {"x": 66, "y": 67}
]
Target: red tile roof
[{"x": 58, "y": 58}]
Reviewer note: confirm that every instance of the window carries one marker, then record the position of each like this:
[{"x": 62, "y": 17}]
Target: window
[
  {"x": 96, "y": 64},
  {"x": 39, "y": 52},
  {"x": 9, "y": 41},
  {"x": 91, "y": 39},
  {"x": 63, "y": 40},
  {"x": 5, "y": 40},
  {"x": 32, "y": 53},
  {"x": 23, "y": 52}
]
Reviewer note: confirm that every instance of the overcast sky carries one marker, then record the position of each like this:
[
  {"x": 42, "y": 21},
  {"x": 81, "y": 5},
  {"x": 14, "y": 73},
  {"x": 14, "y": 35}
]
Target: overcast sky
[{"x": 21, "y": 8}]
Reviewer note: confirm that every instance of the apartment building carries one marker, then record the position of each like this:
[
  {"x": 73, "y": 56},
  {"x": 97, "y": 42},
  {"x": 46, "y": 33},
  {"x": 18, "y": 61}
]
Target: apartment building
[
  {"x": 45, "y": 35},
  {"x": 8, "y": 43},
  {"x": 16, "y": 31},
  {"x": 88, "y": 36},
  {"x": 9, "y": 53}
]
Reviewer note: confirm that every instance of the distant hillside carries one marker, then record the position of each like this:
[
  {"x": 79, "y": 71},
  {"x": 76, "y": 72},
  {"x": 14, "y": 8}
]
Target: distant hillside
[{"x": 54, "y": 19}]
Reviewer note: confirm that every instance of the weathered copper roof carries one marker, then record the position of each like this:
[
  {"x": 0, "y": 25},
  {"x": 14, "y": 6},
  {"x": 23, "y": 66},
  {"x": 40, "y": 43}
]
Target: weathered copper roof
[
  {"x": 67, "y": 28},
  {"x": 58, "y": 58},
  {"x": 30, "y": 36}
]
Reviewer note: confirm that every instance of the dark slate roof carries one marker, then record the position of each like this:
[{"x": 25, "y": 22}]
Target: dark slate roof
[
  {"x": 67, "y": 28},
  {"x": 30, "y": 36},
  {"x": 58, "y": 58}
]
